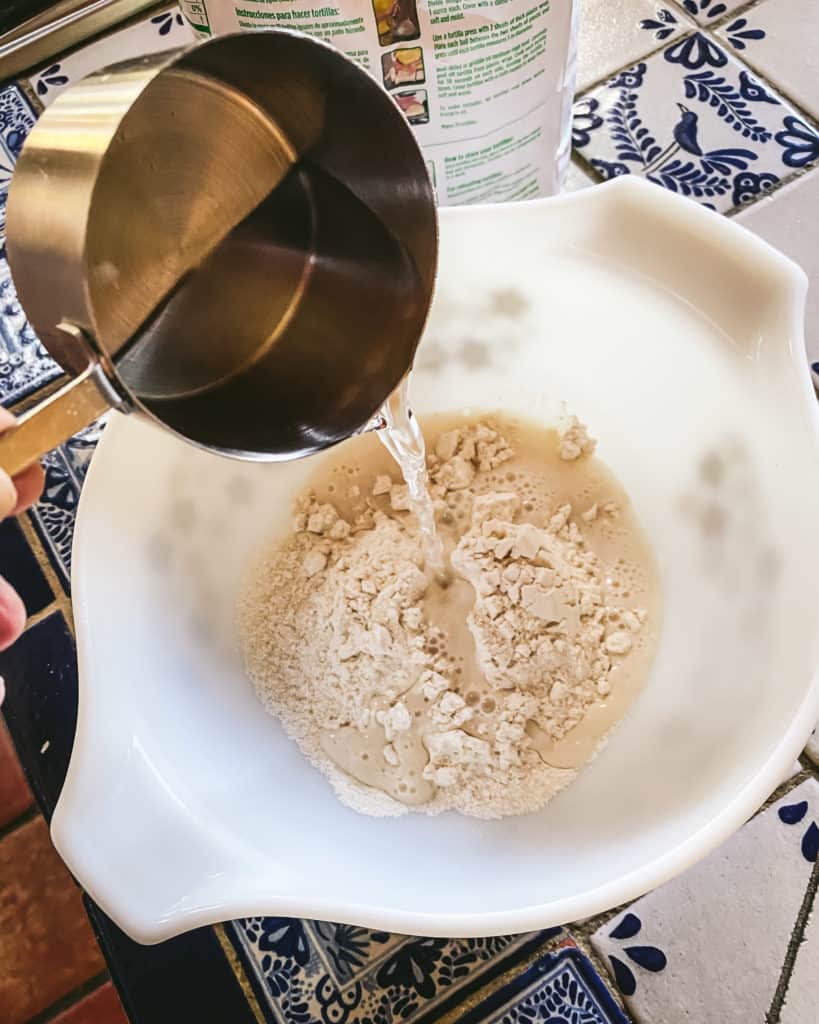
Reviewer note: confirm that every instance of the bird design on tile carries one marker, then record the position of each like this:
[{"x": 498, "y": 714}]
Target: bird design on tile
[{"x": 685, "y": 134}]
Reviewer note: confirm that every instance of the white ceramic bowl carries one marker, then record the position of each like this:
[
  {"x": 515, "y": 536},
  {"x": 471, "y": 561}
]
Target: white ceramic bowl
[{"x": 677, "y": 336}]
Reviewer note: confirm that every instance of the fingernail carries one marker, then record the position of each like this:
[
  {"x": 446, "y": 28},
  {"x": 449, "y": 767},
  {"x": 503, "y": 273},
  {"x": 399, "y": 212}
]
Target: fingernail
[{"x": 2, "y": 689}]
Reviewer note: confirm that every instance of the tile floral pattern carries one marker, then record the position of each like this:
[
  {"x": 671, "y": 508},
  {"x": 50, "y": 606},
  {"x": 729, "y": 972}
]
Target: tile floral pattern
[
  {"x": 612, "y": 38},
  {"x": 664, "y": 25},
  {"x": 24, "y": 363},
  {"x": 708, "y": 12},
  {"x": 696, "y": 121},
  {"x": 784, "y": 50},
  {"x": 162, "y": 31},
  {"x": 680, "y": 953},
  {"x": 316, "y": 971},
  {"x": 559, "y": 988},
  {"x": 55, "y": 513},
  {"x": 16, "y": 119},
  {"x": 741, "y": 33},
  {"x": 642, "y": 957},
  {"x": 803, "y": 816}
]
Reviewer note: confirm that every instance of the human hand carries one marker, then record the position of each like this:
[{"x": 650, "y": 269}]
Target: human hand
[{"x": 15, "y": 496}]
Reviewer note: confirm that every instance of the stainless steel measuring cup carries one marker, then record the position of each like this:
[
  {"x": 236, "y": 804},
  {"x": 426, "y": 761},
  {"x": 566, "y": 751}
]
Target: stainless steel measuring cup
[{"x": 238, "y": 240}]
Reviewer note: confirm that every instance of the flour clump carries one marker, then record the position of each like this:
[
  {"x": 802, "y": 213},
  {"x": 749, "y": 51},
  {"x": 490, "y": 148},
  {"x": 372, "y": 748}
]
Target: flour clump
[{"x": 409, "y": 694}]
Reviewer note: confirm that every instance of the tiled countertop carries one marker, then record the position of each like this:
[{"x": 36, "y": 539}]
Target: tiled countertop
[{"x": 717, "y": 100}]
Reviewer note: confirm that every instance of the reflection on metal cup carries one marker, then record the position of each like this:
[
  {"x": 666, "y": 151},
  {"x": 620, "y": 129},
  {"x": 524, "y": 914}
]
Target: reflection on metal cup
[{"x": 238, "y": 240}]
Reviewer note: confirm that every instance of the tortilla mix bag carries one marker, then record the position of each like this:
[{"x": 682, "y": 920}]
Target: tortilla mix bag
[{"x": 487, "y": 85}]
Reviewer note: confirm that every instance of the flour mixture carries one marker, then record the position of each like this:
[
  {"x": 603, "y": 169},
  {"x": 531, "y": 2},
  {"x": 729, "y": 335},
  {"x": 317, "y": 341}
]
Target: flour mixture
[{"x": 482, "y": 692}]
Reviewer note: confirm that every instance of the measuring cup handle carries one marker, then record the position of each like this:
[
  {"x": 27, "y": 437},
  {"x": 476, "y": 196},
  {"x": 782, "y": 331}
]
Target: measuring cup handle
[{"x": 52, "y": 421}]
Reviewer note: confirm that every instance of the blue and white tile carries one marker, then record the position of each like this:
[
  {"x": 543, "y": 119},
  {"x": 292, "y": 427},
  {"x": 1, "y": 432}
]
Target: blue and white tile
[
  {"x": 802, "y": 995},
  {"x": 709, "y": 946},
  {"x": 16, "y": 119},
  {"x": 561, "y": 987},
  {"x": 55, "y": 514},
  {"x": 780, "y": 38},
  {"x": 314, "y": 970},
  {"x": 710, "y": 12},
  {"x": 788, "y": 220},
  {"x": 25, "y": 365},
  {"x": 164, "y": 30},
  {"x": 698, "y": 122},
  {"x": 576, "y": 178},
  {"x": 614, "y": 36}
]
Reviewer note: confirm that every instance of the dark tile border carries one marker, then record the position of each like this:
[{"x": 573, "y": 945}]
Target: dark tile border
[
  {"x": 22, "y": 570},
  {"x": 40, "y": 672},
  {"x": 187, "y": 979}
]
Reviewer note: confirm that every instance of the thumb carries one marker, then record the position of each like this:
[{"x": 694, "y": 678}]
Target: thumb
[
  {"x": 12, "y": 615},
  {"x": 8, "y": 495}
]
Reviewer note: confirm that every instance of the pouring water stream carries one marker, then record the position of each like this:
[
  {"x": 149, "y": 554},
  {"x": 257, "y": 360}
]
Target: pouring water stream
[{"x": 401, "y": 436}]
